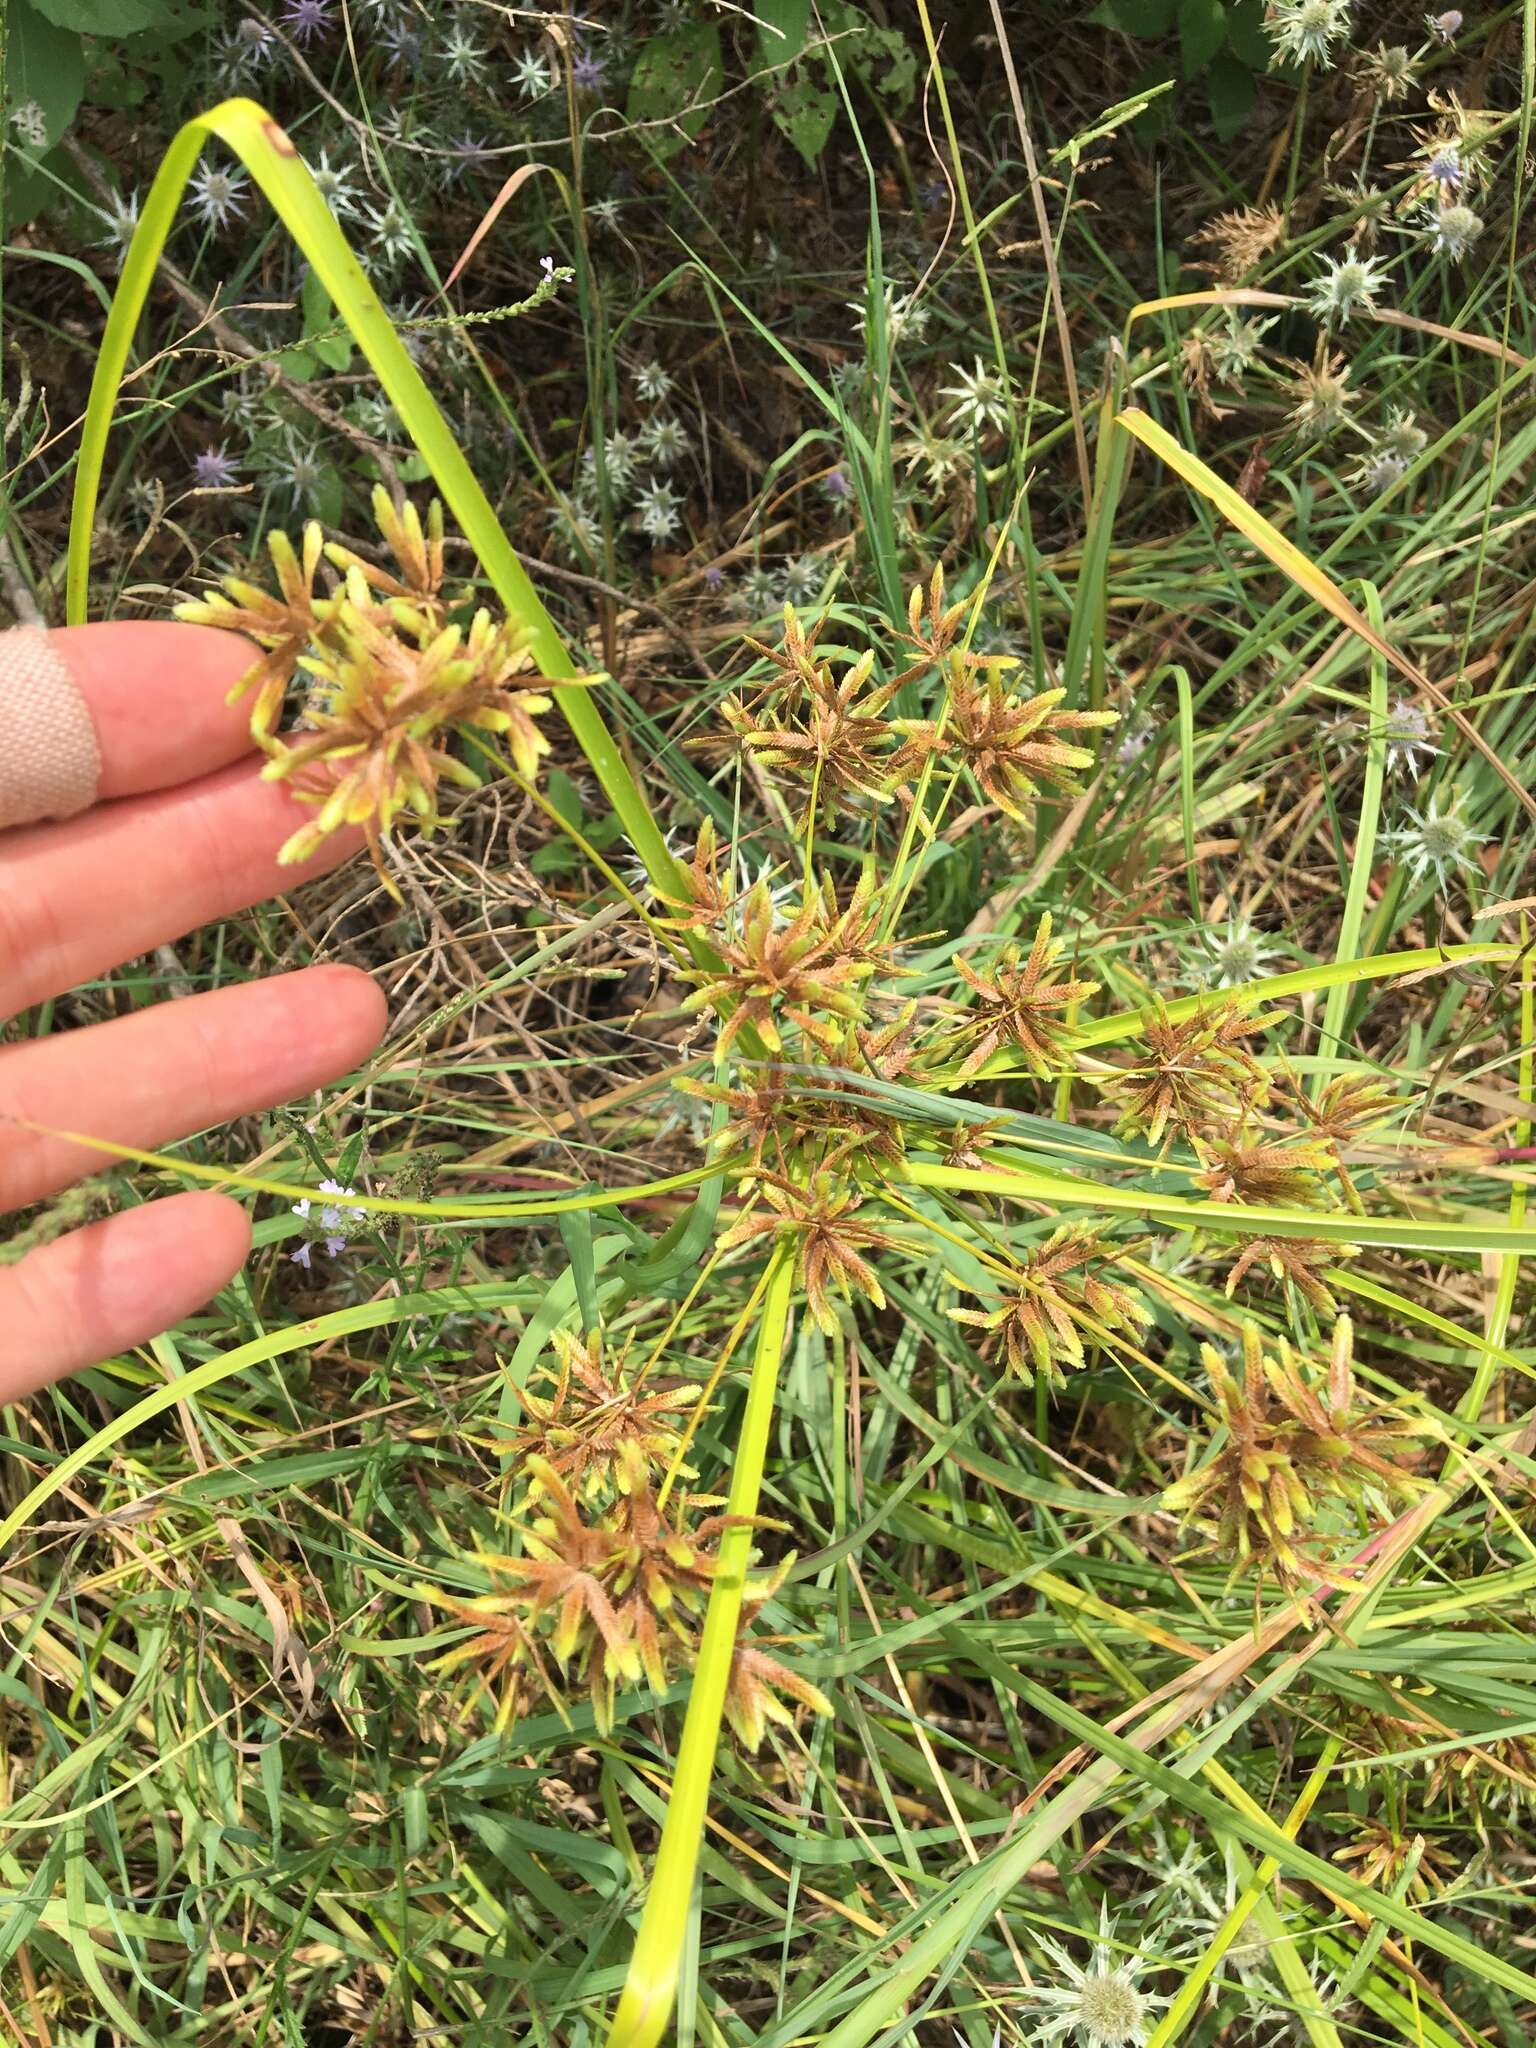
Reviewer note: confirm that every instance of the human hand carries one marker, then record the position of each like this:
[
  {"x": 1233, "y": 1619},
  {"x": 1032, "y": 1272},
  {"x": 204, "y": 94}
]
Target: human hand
[{"x": 182, "y": 833}]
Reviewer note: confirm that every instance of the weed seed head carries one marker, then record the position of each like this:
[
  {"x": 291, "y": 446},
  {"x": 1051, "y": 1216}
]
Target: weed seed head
[
  {"x": 1435, "y": 842},
  {"x": 1349, "y": 285},
  {"x": 1102, "y": 2006},
  {"x": 1230, "y": 958},
  {"x": 390, "y": 680},
  {"x": 1297, "y": 1445},
  {"x": 1451, "y": 230},
  {"x": 1408, "y": 734},
  {"x": 1306, "y": 31}
]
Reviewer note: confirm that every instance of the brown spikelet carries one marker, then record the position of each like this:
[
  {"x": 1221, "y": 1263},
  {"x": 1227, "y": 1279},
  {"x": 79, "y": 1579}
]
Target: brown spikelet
[
  {"x": 1297, "y": 1444},
  {"x": 1055, "y": 1306},
  {"x": 1009, "y": 745},
  {"x": 1017, "y": 1006},
  {"x": 1190, "y": 1073}
]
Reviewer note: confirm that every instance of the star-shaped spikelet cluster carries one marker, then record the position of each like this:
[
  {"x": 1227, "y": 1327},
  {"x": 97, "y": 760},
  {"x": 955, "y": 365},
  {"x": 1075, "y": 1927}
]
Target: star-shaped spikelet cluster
[{"x": 392, "y": 675}]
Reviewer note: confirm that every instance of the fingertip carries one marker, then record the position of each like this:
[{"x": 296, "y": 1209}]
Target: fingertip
[
  {"x": 158, "y": 694},
  {"x": 352, "y": 1004},
  {"x": 220, "y": 1222},
  {"x": 179, "y": 1251},
  {"x": 113, "y": 1285}
]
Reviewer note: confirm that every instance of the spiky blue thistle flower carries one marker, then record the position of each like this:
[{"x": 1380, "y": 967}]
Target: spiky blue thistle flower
[
  {"x": 1446, "y": 168},
  {"x": 761, "y": 590},
  {"x": 1402, "y": 436},
  {"x": 307, "y": 19},
  {"x": 802, "y": 580},
  {"x": 532, "y": 76},
  {"x": 244, "y": 49},
  {"x": 121, "y": 214},
  {"x": 461, "y": 56},
  {"x": 1234, "y": 348},
  {"x": 1230, "y": 958},
  {"x": 301, "y": 470},
  {"x": 979, "y": 399},
  {"x": 390, "y": 239},
  {"x": 334, "y": 184},
  {"x": 403, "y": 44},
  {"x": 653, "y": 383},
  {"x": 215, "y": 469},
  {"x": 905, "y": 316},
  {"x": 1377, "y": 471},
  {"x": 465, "y": 152},
  {"x": 1102, "y": 2005}
]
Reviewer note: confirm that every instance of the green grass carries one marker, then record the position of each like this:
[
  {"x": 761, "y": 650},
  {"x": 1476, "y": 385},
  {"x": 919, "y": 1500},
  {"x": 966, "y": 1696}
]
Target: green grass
[{"x": 257, "y": 1795}]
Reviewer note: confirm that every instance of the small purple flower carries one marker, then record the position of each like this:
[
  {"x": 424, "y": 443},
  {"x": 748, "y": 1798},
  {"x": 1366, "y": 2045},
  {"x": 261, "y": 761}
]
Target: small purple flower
[
  {"x": 1446, "y": 168},
  {"x": 306, "y": 19},
  {"x": 714, "y": 576},
  {"x": 934, "y": 194},
  {"x": 836, "y": 485},
  {"x": 1445, "y": 27},
  {"x": 215, "y": 469},
  {"x": 330, "y": 1215},
  {"x": 588, "y": 71},
  {"x": 334, "y": 1222}
]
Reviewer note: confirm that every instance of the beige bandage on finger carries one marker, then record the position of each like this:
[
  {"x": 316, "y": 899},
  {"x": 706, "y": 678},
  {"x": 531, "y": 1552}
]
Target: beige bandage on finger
[{"x": 50, "y": 762}]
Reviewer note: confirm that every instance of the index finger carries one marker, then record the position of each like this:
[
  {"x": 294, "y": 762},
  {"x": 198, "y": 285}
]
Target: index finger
[{"x": 157, "y": 695}]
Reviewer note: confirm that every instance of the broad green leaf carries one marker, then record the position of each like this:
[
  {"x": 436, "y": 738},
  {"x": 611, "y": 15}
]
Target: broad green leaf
[
  {"x": 1202, "y": 31},
  {"x": 782, "y": 27},
  {"x": 882, "y": 57},
  {"x": 44, "y": 64},
  {"x": 673, "y": 79},
  {"x": 804, "y": 112},
  {"x": 1246, "y": 38},
  {"x": 320, "y": 321},
  {"x": 1142, "y": 18},
  {"x": 1230, "y": 88},
  {"x": 108, "y": 17}
]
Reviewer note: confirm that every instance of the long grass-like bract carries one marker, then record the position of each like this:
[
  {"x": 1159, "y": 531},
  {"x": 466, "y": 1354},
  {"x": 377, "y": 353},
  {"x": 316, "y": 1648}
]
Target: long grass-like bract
[{"x": 278, "y": 169}]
